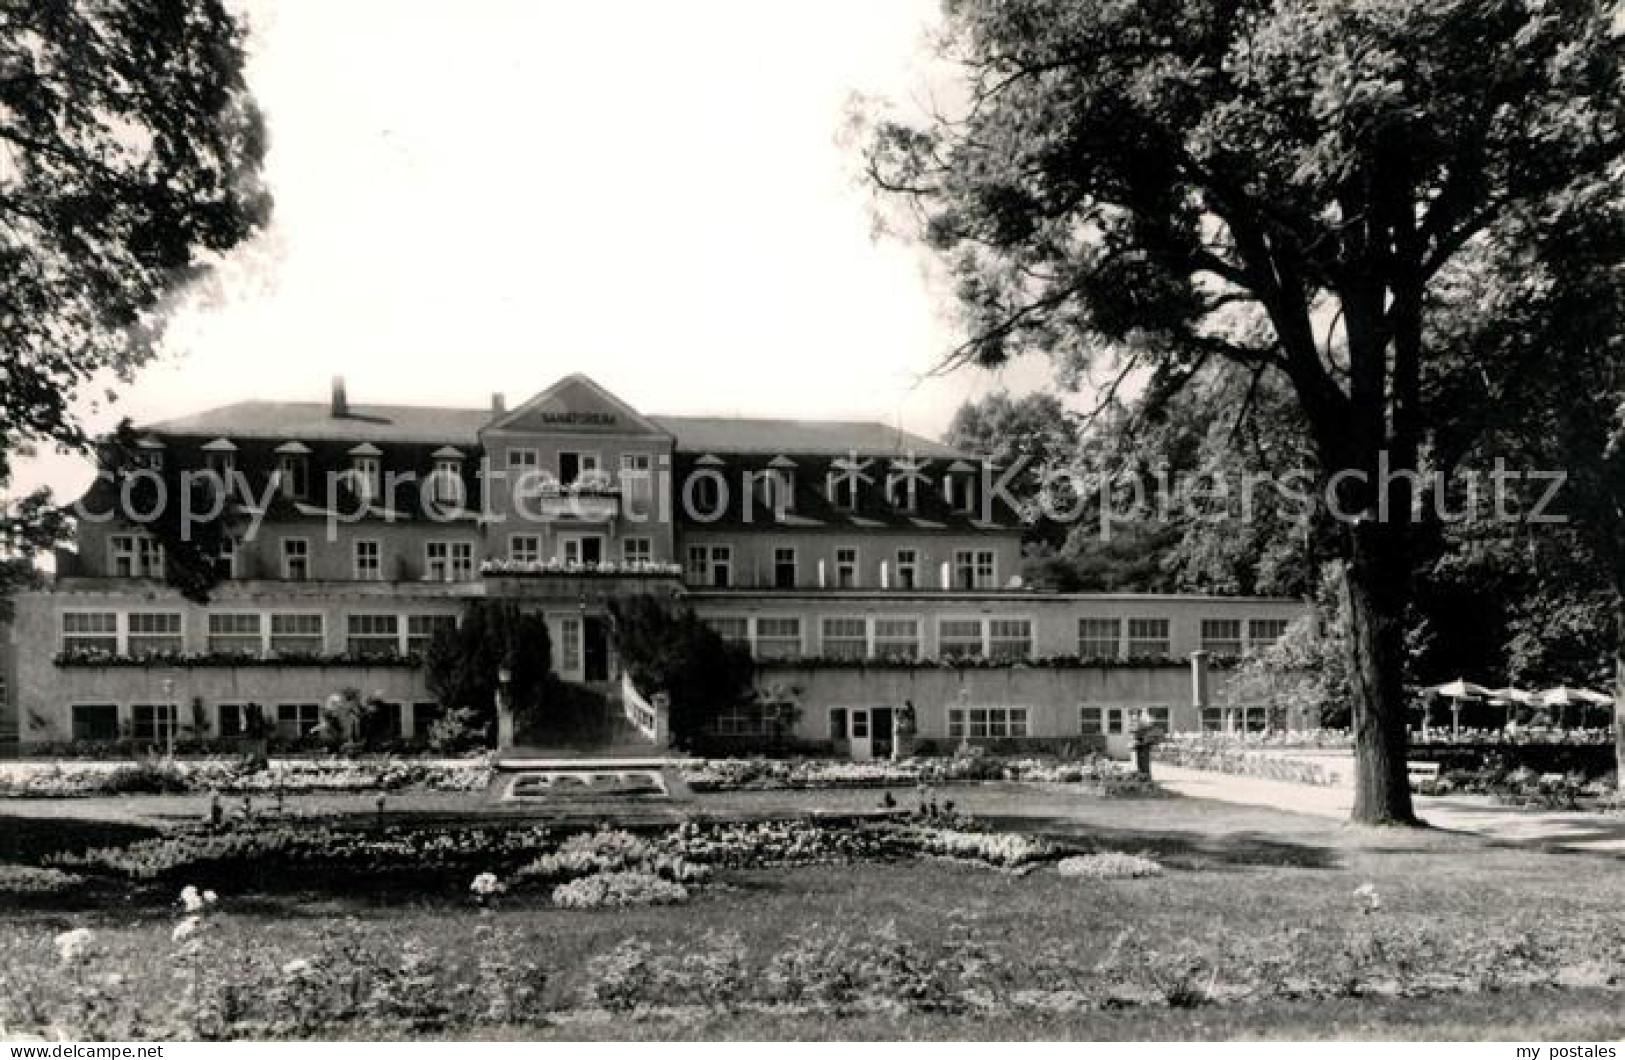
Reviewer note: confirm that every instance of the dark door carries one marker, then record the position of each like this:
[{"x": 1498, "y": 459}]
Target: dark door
[
  {"x": 595, "y": 650},
  {"x": 881, "y": 723},
  {"x": 592, "y": 550}
]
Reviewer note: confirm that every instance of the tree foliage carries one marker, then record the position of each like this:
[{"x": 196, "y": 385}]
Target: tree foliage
[
  {"x": 1283, "y": 186},
  {"x": 462, "y": 667},
  {"x": 130, "y": 150},
  {"x": 671, "y": 650}
]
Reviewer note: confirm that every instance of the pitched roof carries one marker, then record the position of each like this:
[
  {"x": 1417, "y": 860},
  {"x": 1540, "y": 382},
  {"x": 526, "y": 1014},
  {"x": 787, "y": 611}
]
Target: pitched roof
[
  {"x": 314, "y": 421},
  {"x": 721, "y": 434}
]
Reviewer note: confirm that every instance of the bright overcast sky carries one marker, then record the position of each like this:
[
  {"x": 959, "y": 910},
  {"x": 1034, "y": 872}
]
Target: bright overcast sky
[{"x": 480, "y": 196}]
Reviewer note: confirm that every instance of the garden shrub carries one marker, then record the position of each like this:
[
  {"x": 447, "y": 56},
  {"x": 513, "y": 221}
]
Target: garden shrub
[
  {"x": 25, "y": 879},
  {"x": 1108, "y": 865},
  {"x": 609, "y": 890}
]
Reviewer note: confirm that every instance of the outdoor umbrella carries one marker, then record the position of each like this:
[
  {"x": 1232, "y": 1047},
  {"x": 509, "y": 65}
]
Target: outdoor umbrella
[
  {"x": 1456, "y": 691},
  {"x": 1512, "y": 698},
  {"x": 1563, "y": 697}
]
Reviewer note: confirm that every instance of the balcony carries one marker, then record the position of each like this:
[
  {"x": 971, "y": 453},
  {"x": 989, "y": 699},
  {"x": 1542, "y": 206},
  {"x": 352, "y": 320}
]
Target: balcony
[
  {"x": 588, "y": 500},
  {"x": 586, "y": 582}
]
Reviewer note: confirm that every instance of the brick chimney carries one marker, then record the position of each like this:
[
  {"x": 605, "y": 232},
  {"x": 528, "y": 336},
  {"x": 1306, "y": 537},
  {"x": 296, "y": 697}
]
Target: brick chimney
[
  {"x": 341, "y": 400},
  {"x": 499, "y": 404}
]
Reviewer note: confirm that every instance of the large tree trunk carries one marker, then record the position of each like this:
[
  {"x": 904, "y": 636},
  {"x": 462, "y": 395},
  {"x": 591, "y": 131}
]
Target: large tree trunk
[
  {"x": 1376, "y": 578},
  {"x": 1619, "y": 689}
]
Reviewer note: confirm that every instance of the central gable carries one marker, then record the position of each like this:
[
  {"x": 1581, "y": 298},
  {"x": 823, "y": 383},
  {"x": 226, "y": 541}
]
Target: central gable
[{"x": 576, "y": 405}]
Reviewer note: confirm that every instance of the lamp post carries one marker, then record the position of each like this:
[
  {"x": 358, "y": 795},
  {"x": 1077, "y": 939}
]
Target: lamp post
[{"x": 173, "y": 719}]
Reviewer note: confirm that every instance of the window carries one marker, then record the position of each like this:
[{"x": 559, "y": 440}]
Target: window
[
  {"x": 959, "y": 638},
  {"x": 722, "y": 565},
  {"x": 845, "y": 638},
  {"x": 975, "y": 569},
  {"x": 586, "y": 550},
  {"x": 637, "y": 480},
  {"x": 155, "y": 633},
  {"x": 735, "y": 629},
  {"x": 635, "y": 550},
  {"x": 1114, "y": 720},
  {"x": 229, "y": 721},
  {"x": 297, "y": 635},
  {"x": 1089, "y": 721},
  {"x": 1010, "y": 638},
  {"x": 1213, "y": 719},
  {"x": 699, "y": 564},
  {"x": 1158, "y": 716},
  {"x": 152, "y": 722},
  {"x": 703, "y": 491},
  {"x": 523, "y": 460},
  {"x": 295, "y": 559},
  {"x": 773, "y": 487},
  {"x": 1263, "y": 632},
  {"x": 992, "y": 723},
  {"x": 908, "y": 568},
  {"x": 135, "y": 556},
  {"x": 421, "y": 631},
  {"x": 570, "y": 646},
  {"x": 860, "y": 725},
  {"x": 1148, "y": 638},
  {"x": 710, "y": 565},
  {"x": 897, "y": 638},
  {"x": 220, "y": 462},
  {"x": 446, "y": 482},
  {"x": 381, "y": 722},
  {"x": 366, "y": 475},
  {"x": 525, "y": 548},
  {"x": 297, "y": 721},
  {"x": 573, "y": 466},
  {"x": 95, "y": 721},
  {"x": 842, "y": 488},
  {"x": 784, "y": 568},
  {"x": 1221, "y": 636},
  {"x": 837, "y": 724},
  {"x": 293, "y": 470},
  {"x": 778, "y": 638},
  {"x": 374, "y": 636},
  {"x": 846, "y": 568},
  {"x": 1099, "y": 638},
  {"x": 449, "y": 561},
  {"x": 959, "y": 490},
  {"x": 742, "y": 720},
  {"x": 150, "y": 455},
  {"x": 235, "y": 634},
  {"x": 369, "y": 562},
  {"x": 93, "y": 632}
]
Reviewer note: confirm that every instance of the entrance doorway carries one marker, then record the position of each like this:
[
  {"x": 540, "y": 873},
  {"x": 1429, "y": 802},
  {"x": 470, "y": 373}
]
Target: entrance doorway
[
  {"x": 595, "y": 650},
  {"x": 870, "y": 733}
]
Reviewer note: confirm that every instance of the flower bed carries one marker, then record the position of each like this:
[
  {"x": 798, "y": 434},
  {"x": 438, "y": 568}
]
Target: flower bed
[
  {"x": 237, "y": 777},
  {"x": 1246, "y": 764},
  {"x": 764, "y": 774}
]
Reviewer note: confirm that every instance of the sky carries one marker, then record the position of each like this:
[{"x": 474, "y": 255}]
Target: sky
[{"x": 485, "y": 195}]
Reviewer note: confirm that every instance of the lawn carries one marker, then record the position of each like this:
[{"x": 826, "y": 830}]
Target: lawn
[{"x": 1254, "y": 929}]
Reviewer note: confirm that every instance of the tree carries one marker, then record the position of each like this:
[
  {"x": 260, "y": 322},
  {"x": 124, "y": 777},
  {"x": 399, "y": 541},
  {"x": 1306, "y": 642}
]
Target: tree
[
  {"x": 672, "y": 650},
  {"x": 1280, "y": 185},
  {"x": 1029, "y": 436},
  {"x": 130, "y": 150},
  {"x": 463, "y": 666}
]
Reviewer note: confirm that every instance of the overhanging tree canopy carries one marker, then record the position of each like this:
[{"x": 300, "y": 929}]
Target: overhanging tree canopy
[{"x": 1164, "y": 182}]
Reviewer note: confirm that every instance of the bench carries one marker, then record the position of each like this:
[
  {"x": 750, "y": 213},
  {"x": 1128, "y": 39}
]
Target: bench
[
  {"x": 552, "y": 779},
  {"x": 1423, "y": 772}
]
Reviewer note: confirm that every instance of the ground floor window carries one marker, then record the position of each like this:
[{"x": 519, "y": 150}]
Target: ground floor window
[
  {"x": 382, "y": 721},
  {"x": 153, "y": 722},
  {"x": 297, "y": 721},
  {"x": 230, "y": 722},
  {"x": 95, "y": 721},
  {"x": 743, "y": 720},
  {"x": 992, "y": 723},
  {"x": 837, "y": 724},
  {"x": 734, "y": 629},
  {"x": 424, "y": 716}
]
